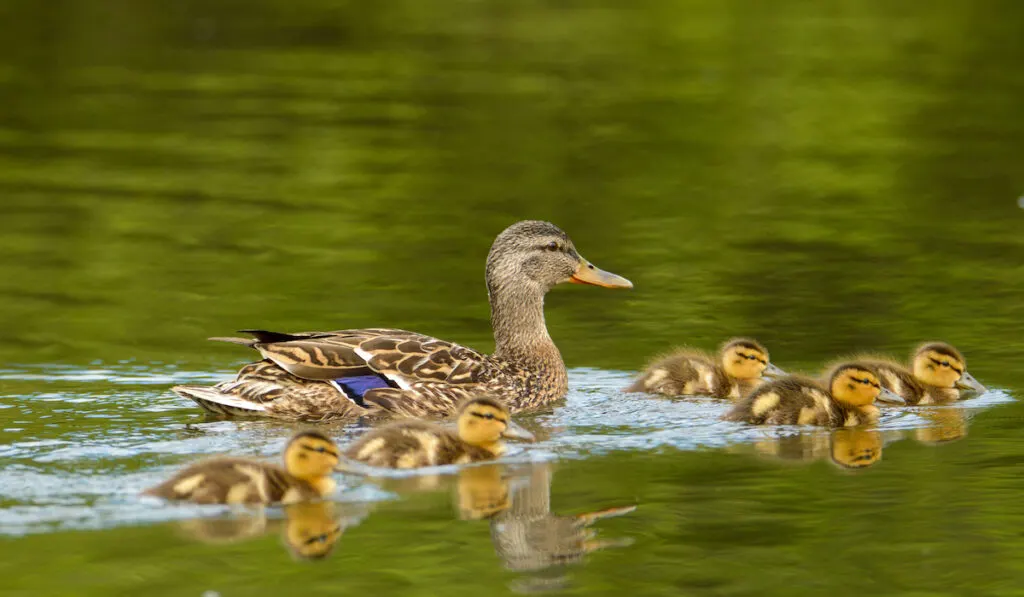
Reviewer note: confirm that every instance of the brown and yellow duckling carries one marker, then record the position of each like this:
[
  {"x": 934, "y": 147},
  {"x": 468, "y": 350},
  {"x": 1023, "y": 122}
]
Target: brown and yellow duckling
[
  {"x": 937, "y": 374},
  {"x": 740, "y": 365},
  {"x": 309, "y": 459},
  {"x": 792, "y": 400},
  {"x": 483, "y": 422}
]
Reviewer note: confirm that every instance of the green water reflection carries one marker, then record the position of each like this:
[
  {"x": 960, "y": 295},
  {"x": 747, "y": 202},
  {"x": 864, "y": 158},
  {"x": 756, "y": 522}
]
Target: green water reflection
[{"x": 829, "y": 178}]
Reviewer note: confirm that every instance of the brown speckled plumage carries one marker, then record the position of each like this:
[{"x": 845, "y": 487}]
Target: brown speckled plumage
[{"x": 426, "y": 376}]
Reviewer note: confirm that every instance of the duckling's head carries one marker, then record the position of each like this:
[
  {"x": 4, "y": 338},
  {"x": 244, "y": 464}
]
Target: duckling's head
[
  {"x": 939, "y": 364},
  {"x": 746, "y": 359},
  {"x": 857, "y": 385},
  {"x": 310, "y": 455},
  {"x": 484, "y": 421},
  {"x": 539, "y": 255}
]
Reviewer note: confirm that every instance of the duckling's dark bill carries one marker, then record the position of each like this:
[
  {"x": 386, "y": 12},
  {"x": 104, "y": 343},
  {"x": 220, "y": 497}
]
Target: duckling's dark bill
[
  {"x": 968, "y": 383},
  {"x": 588, "y": 273},
  {"x": 772, "y": 371},
  {"x": 887, "y": 397},
  {"x": 514, "y": 431}
]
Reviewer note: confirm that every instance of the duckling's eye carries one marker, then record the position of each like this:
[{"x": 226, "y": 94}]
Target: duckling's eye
[
  {"x": 321, "y": 449},
  {"x": 945, "y": 363},
  {"x": 489, "y": 416}
]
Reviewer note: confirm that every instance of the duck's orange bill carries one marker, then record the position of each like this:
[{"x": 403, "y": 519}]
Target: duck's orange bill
[{"x": 587, "y": 273}]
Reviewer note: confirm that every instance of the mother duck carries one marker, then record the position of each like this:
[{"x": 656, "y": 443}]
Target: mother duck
[{"x": 323, "y": 376}]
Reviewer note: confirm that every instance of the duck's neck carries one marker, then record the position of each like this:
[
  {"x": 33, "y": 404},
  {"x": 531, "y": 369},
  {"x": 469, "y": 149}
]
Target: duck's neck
[{"x": 520, "y": 334}]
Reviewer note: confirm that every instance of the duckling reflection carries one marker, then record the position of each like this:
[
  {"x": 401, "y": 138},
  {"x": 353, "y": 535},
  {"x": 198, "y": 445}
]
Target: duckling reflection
[
  {"x": 856, "y": 448},
  {"x": 850, "y": 448},
  {"x": 482, "y": 492},
  {"x": 309, "y": 531},
  {"x": 527, "y": 536},
  {"x": 799, "y": 447},
  {"x": 944, "y": 425}
]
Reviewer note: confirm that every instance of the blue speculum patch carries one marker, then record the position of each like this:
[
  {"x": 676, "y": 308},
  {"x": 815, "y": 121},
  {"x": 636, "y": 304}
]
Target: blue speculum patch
[{"x": 357, "y": 386}]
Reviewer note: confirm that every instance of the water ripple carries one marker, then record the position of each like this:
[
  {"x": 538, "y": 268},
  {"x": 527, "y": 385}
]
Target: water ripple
[{"x": 78, "y": 455}]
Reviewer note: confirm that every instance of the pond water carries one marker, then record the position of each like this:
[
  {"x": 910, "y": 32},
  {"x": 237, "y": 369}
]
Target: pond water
[{"x": 829, "y": 179}]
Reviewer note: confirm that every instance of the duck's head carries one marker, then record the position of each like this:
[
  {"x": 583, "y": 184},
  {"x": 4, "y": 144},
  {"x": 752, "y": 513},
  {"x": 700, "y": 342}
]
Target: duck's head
[
  {"x": 939, "y": 364},
  {"x": 857, "y": 385},
  {"x": 310, "y": 456},
  {"x": 540, "y": 255},
  {"x": 484, "y": 421},
  {"x": 746, "y": 359}
]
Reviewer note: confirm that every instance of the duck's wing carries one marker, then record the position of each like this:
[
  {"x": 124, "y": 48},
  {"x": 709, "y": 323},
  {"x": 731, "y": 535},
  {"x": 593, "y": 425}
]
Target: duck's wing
[
  {"x": 405, "y": 359},
  {"x": 263, "y": 389}
]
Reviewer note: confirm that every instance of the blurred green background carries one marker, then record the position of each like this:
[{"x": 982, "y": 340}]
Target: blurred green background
[{"x": 828, "y": 177}]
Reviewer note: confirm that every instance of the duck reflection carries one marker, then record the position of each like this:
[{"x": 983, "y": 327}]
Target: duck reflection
[
  {"x": 944, "y": 425},
  {"x": 309, "y": 530},
  {"x": 850, "y": 448},
  {"x": 528, "y": 537}
]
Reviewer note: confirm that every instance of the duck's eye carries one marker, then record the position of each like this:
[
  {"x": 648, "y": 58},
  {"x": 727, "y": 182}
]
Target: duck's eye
[
  {"x": 945, "y": 363},
  {"x": 321, "y": 449},
  {"x": 551, "y": 246}
]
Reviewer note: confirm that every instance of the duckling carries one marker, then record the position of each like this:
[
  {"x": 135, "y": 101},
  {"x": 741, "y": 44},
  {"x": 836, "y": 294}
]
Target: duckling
[
  {"x": 309, "y": 458},
  {"x": 794, "y": 400},
  {"x": 937, "y": 374},
  {"x": 741, "y": 364},
  {"x": 482, "y": 423}
]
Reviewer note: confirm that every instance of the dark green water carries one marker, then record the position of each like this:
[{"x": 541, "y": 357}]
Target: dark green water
[{"x": 829, "y": 178}]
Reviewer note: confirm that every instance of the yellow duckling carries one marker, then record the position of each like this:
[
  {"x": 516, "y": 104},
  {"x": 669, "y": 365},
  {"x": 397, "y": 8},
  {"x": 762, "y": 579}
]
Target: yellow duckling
[
  {"x": 739, "y": 367},
  {"x": 309, "y": 459},
  {"x": 793, "y": 400},
  {"x": 482, "y": 423},
  {"x": 937, "y": 374}
]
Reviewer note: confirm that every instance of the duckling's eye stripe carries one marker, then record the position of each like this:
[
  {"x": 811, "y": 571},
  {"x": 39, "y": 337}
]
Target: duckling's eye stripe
[
  {"x": 321, "y": 449},
  {"x": 942, "y": 364}
]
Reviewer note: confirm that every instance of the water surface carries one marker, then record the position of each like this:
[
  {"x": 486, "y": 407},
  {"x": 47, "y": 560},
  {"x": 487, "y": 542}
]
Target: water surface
[{"x": 828, "y": 179}]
